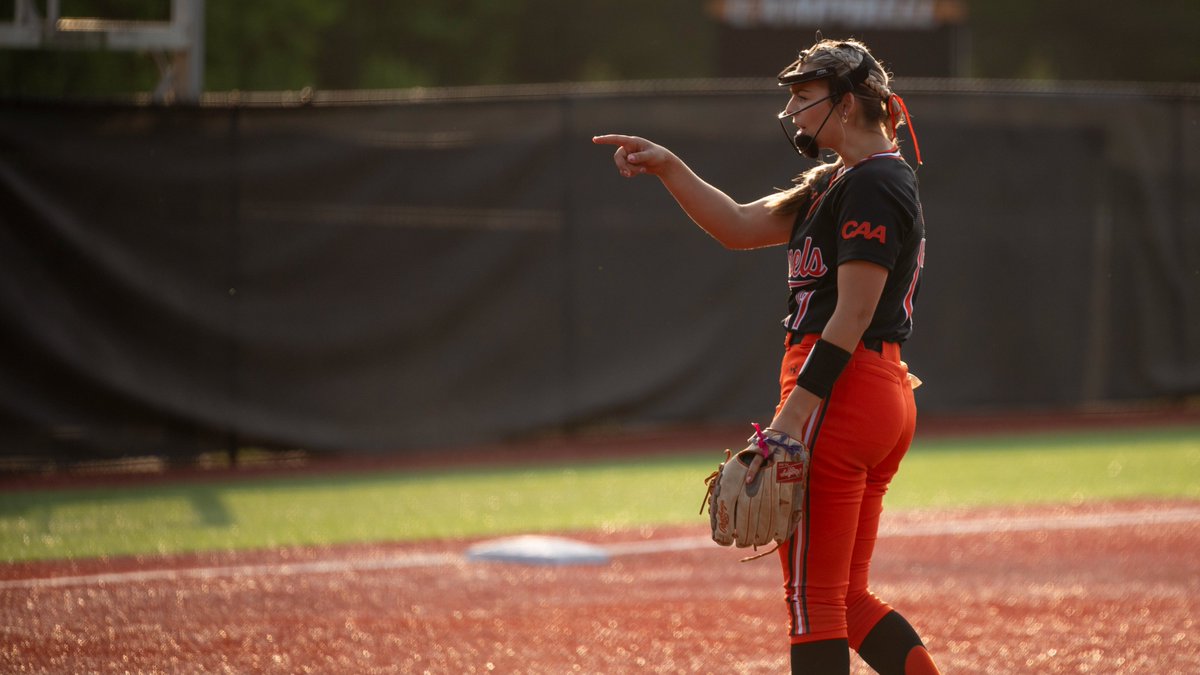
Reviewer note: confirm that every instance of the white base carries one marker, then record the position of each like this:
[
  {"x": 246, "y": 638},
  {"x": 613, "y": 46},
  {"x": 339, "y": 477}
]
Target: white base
[{"x": 538, "y": 550}]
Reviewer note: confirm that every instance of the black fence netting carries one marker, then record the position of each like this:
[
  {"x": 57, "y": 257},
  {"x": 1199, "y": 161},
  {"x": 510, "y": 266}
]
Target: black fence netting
[{"x": 428, "y": 268}]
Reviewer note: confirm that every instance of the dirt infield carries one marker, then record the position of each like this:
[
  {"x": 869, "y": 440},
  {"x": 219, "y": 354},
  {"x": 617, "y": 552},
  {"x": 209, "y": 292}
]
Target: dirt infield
[{"x": 1108, "y": 588}]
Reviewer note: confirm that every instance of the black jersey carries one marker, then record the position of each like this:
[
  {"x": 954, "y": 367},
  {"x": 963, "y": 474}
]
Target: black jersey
[{"x": 870, "y": 212}]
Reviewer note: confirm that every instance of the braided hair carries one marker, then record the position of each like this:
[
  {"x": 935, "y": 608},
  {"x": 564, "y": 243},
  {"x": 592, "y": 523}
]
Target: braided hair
[{"x": 879, "y": 105}]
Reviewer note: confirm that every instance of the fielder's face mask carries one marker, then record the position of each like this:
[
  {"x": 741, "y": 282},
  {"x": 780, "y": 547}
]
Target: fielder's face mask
[{"x": 806, "y": 144}]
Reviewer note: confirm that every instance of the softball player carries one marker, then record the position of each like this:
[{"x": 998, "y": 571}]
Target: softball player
[{"x": 855, "y": 237}]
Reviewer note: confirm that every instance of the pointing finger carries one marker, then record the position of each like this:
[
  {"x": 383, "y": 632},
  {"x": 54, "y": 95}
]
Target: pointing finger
[{"x": 614, "y": 139}]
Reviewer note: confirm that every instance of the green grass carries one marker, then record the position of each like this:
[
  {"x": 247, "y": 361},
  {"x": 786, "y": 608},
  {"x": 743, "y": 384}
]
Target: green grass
[
  {"x": 1050, "y": 468},
  {"x": 608, "y": 496}
]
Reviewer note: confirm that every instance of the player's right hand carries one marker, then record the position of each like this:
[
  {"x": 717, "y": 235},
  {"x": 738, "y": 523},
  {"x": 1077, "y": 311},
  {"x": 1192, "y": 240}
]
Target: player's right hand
[{"x": 635, "y": 155}]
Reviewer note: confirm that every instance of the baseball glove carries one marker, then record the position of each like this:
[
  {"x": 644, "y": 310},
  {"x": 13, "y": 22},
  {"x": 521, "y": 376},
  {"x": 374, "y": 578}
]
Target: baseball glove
[{"x": 770, "y": 507}]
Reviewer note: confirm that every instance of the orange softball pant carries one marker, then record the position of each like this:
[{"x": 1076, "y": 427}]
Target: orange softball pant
[{"x": 857, "y": 438}]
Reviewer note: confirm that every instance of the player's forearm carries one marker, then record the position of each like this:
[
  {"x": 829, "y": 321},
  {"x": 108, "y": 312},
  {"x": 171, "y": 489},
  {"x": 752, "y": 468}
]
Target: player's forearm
[
  {"x": 795, "y": 411},
  {"x": 845, "y": 329},
  {"x": 860, "y": 285},
  {"x": 710, "y": 208}
]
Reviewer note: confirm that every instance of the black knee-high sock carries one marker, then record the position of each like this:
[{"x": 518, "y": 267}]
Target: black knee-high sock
[
  {"x": 826, "y": 657},
  {"x": 887, "y": 646}
]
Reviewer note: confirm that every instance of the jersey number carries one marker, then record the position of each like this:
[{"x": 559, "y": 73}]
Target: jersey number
[
  {"x": 912, "y": 287},
  {"x": 802, "y": 300}
]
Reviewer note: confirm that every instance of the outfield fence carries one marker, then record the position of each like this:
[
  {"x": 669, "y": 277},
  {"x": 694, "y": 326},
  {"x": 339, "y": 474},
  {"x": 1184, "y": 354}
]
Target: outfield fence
[{"x": 391, "y": 271}]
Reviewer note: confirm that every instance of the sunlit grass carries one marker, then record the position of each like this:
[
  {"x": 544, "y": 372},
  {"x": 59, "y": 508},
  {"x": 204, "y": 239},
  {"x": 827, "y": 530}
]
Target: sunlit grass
[
  {"x": 399, "y": 506},
  {"x": 1051, "y": 468}
]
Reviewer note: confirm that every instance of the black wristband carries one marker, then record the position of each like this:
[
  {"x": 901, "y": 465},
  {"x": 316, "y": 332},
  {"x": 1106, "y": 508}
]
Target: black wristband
[{"x": 825, "y": 363}]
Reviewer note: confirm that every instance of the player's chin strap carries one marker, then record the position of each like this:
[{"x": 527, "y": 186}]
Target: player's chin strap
[
  {"x": 912, "y": 131},
  {"x": 806, "y": 144}
]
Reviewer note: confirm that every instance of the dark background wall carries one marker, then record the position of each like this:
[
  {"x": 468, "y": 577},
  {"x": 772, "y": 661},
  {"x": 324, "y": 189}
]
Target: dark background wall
[{"x": 443, "y": 266}]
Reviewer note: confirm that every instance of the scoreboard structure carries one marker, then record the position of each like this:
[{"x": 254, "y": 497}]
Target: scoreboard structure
[{"x": 915, "y": 38}]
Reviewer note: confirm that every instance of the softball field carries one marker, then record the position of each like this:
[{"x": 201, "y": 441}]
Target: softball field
[
  {"x": 1108, "y": 588},
  {"x": 1100, "y": 586}
]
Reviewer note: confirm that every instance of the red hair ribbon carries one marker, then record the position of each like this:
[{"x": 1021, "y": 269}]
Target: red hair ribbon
[{"x": 912, "y": 131}]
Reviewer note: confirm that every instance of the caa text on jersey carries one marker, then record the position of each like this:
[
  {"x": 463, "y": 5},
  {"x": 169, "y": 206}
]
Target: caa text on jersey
[{"x": 853, "y": 228}]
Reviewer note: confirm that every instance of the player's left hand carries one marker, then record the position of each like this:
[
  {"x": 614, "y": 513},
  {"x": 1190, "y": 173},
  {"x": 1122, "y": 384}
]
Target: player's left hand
[
  {"x": 750, "y": 512},
  {"x": 779, "y": 425},
  {"x": 755, "y": 465}
]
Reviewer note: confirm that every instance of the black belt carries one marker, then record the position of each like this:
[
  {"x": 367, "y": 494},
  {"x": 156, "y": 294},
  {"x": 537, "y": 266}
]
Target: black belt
[{"x": 874, "y": 344}]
